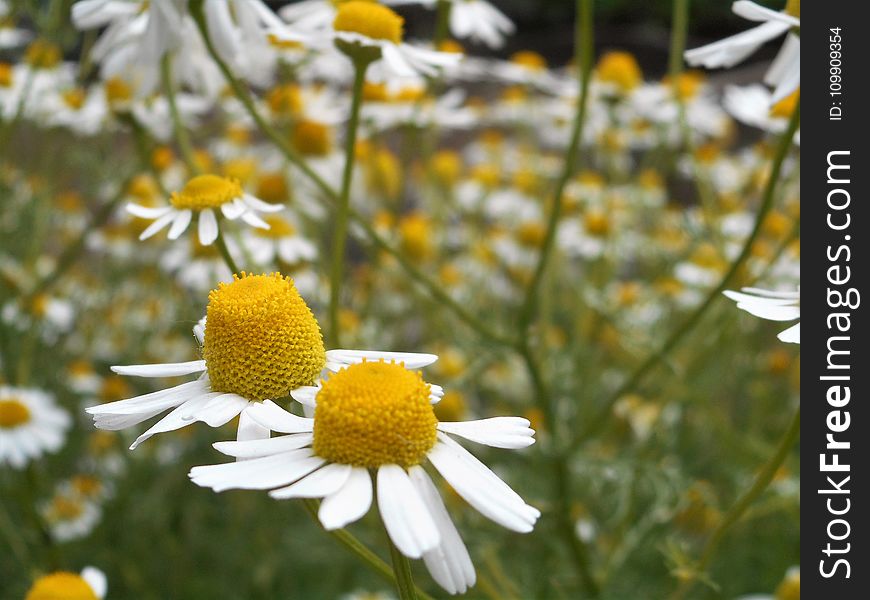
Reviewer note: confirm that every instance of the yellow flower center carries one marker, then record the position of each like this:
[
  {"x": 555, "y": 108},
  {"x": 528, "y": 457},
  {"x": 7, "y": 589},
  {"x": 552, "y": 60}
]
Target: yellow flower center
[
  {"x": 530, "y": 60},
  {"x": 241, "y": 169},
  {"x": 87, "y": 485},
  {"x": 793, "y": 7},
  {"x": 383, "y": 174},
  {"x": 13, "y": 413},
  {"x": 206, "y": 191},
  {"x": 531, "y": 234},
  {"x": 785, "y": 107},
  {"x": 451, "y": 47},
  {"x": 118, "y": 91},
  {"x": 706, "y": 256},
  {"x": 74, "y": 98},
  {"x": 65, "y": 509},
  {"x": 312, "y": 138},
  {"x": 488, "y": 175},
  {"x": 415, "y": 232},
  {"x": 446, "y": 166},
  {"x": 596, "y": 223},
  {"x": 373, "y": 414},
  {"x": 61, "y": 586},
  {"x": 620, "y": 69},
  {"x": 279, "y": 227},
  {"x": 6, "y": 73},
  {"x": 284, "y": 100},
  {"x": 369, "y": 19},
  {"x": 162, "y": 158},
  {"x": 272, "y": 187},
  {"x": 687, "y": 84},
  {"x": 452, "y": 407},
  {"x": 261, "y": 339},
  {"x": 42, "y": 54}
]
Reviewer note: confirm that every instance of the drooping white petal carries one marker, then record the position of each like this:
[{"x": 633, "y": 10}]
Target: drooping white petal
[
  {"x": 173, "y": 420},
  {"x": 264, "y": 447},
  {"x": 349, "y": 503},
  {"x": 480, "y": 487},
  {"x": 732, "y": 50},
  {"x": 412, "y": 360},
  {"x": 258, "y": 473},
  {"x": 792, "y": 335},
  {"x": 208, "y": 227},
  {"x": 306, "y": 395},
  {"x": 256, "y": 204},
  {"x": 449, "y": 562},
  {"x": 405, "y": 516},
  {"x": 755, "y": 12},
  {"x": 218, "y": 411},
  {"x": 147, "y": 212},
  {"x": 323, "y": 482},
  {"x": 161, "y": 370},
  {"x": 155, "y": 401},
  {"x": 498, "y": 432},
  {"x": 268, "y": 414},
  {"x": 157, "y": 225},
  {"x": 251, "y": 218}
]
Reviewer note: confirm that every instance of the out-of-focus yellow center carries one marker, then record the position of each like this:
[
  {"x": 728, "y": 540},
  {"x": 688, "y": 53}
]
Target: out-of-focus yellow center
[
  {"x": 63, "y": 508},
  {"x": 42, "y": 54},
  {"x": 790, "y": 588},
  {"x": 373, "y": 414},
  {"x": 706, "y": 256},
  {"x": 284, "y": 100},
  {"x": 620, "y": 69},
  {"x": 74, "y": 98},
  {"x": 793, "y": 7},
  {"x": 596, "y": 223},
  {"x": 118, "y": 91},
  {"x": 87, "y": 485},
  {"x": 531, "y": 234},
  {"x": 785, "y": 107},
  {"x": 687, "y": 84},
  {"x": 240, "y": 169},
  {"x": 206, "y": 191},
  {"x": 261, "y": 339},
  {"x": 369, "y": 19},
  {"x": 415, "y": 231},
  {"x": 383, "y": 174},
  {"x": 446, "y": 167},
  {"x": 529, "y": 59},
  {"x": 272, "y": 187},
  {"x": 6, "y": 75},
  {"x": 279, "y": 227},
  {"x": 312, "y": 138},
  {"x": 13, "y": 413},
  {"x": 61, "y": 586}
]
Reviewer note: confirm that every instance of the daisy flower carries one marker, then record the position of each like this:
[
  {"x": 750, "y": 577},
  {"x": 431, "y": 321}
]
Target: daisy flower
[
  {"x": 753, "y": 106},
  {"x": 89, "y": 585},
  {"x": 370, "y": 29},
  {"x": 282, "y": 241},
  {"x": 784, "y": 73},
  {"x": 203, "y": 195},
  {"x": 773, "y": 306},
  {"x": 259, "y": 341},
  {"x": 375, "y": 421},
  {"x": 30, "y": 425}
]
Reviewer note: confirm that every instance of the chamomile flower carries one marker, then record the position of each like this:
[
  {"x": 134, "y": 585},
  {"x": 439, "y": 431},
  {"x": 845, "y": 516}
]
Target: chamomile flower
[
  {"x": 62, "y": 585},
  {"x": 377, "y": 31},
  {"x": 773, "y": 306},
  {"x": 70, "y": 516},
  {"x": 754, "y": 106},
  {"x": 203, "y": 195},
  {"x": 282, "y": 241},
  {"x": 11, "y": 36},
  {"x": 259, "y": 341},
  {"x": 375, "y": 420},
  {"x": 785, "y": 72},
  {"x": 31, "y": 424}
]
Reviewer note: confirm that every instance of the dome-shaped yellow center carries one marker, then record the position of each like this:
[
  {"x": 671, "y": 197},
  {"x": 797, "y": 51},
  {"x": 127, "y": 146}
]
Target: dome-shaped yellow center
[
  {"x": 61, "y": 586},
  {"x": 206, "y": 191},
  {"x": 619, "y": 69},
  {"x": 369, "y": 19},
  {"x": 373, "y": 414},
  {"x": 13, "y": 413},
  {"x": 261, "y": 339}
]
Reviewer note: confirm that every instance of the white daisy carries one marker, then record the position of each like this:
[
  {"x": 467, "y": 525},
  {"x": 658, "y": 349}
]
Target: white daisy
[
  {"x": 282, "y": 241},
  {"x": 773, "y": 306},
  {"x": 753, "y": 105},
  {"x": 203, "y": 195},
  {"x": 91, "y": 583},
  {"x": 259, "y": 341},
  {"x": 376, "y": 31},
  {"x": 785, "y": 72},
  {"x": 30, "y": 425},
  {"x": 374, "y": 420}
]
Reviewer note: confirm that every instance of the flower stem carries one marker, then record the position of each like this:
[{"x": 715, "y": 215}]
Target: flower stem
[
  {"x": 339, "y": 242},
  {"x": 402, "y": 569},
  {"x": 762, "y": 480},
  {"x": 679, "y": 27},
  {"x": 688, "y": 325},
  {"x": 181, "y": 136},
  {"x": 225, "y": 252},
  {"x": 350, "y": 542},
  {"x": 442, "y": 23}
]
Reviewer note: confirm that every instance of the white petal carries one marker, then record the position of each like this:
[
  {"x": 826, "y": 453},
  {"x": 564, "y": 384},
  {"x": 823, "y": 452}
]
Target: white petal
[
  {"x": 233, "y": 210},
  {"x": 147, "y": 212},
  {"x": 306, "y": 395},
  {"x": 756, "y": 12},
  {"x": 349, "y": 503},
  {"x": 449, "y": 562},
  {"x": 412, "y": 360},
  {"x": 480, "y": 487},
  {"x": 251, "y": 218},
  {"x": 208, "y": 227},
  {"x": 256, "y": 204},
  {"x": 257, "y": 473},
  {"x": 179, "y": 224},
  {"x": 154, "y": 401},
  {"x": 219, "y": 410},
  {"x": 157, "y": 225},
  {"x": 249, "y": 430},
  {"x": 498, "y": 432},
  {"x": 96, "y": 579},
  {"x": 323, "y": 482},
  {"x": 405, "y": 516},
  {"x": 791, "y": 335},
  {"x": 161, "y": 370},
  {"x": 264, "y": 447},
  {"x": 268, "y": 414},
  {"x": 731, "y": 50},
  {"x": 173, "y": 420}
]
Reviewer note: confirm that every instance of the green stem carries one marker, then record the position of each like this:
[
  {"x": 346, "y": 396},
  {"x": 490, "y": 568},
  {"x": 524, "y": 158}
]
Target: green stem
[
  {"x": 679, "y": 27},
  {"x": 762, "y": 480},
  {"x": 356, "y": 547},
  {"x": 402, "y": 569},
  {"x": 339, "y": 242},
  {"x": 584, "y": 47},
  {"x": 225, "y": 252},
  {"x": 181, "y": 136},
  {"x": 442, "y": 23},
  {"x": 688, "y": 325}
]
